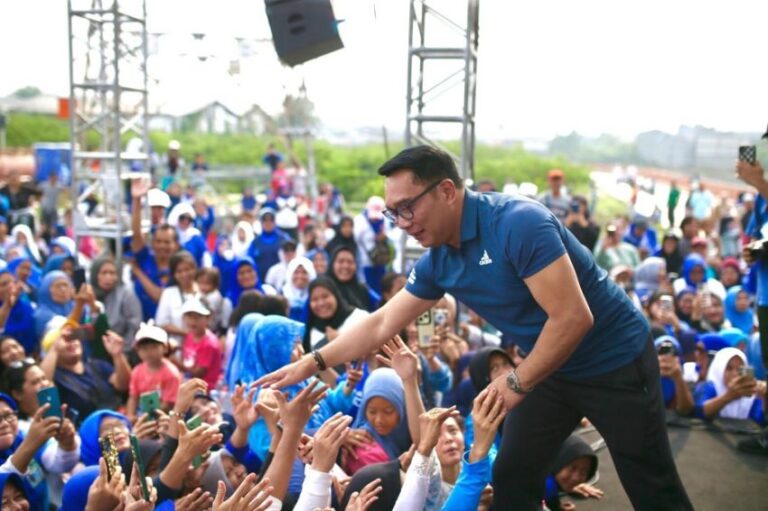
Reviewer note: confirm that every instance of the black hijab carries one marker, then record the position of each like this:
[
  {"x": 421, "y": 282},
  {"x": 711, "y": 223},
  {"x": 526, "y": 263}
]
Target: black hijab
[
  {"x": 339, "y": 241},
  {"x": 353, "y": 292},
  {"x": 389, "y": 473},
  {"x": 343, "y": 310},
  {"x": 480, "y": 366}
]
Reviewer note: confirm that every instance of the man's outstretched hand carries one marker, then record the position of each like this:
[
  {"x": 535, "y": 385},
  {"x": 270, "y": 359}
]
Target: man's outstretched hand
[{"x": 288, "y": 375}]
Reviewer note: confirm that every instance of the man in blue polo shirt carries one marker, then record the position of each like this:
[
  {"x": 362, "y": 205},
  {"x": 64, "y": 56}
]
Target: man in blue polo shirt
[
  {"x": 589, "y": 350},
  {"x": 150, "y": 267}
]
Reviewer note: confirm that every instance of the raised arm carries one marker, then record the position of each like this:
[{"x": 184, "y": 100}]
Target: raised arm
[
  {"x": 357, "y": 341},
  {"x": 556, "y": 289}
]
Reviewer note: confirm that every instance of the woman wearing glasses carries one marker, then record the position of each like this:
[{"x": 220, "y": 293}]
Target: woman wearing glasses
[
  {"x": 22, "y": 380},
  {"x": 18, "y": 449}
]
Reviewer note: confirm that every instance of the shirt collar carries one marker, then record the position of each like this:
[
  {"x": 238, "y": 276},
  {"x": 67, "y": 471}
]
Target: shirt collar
[{"x": 469, "y": 216}]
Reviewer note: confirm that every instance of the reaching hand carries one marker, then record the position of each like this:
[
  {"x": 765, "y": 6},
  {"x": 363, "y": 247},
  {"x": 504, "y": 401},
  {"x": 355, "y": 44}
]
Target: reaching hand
[
  {"x": 267, "y": 407},
  {"x": 587, "y": 490},
  {"x": 113, "y": 343},
  {"x": 105, "y": 492},
  {"x": 487, "y": 414},
  {"x": 400, "y": 358},
  {"x": 145, "y": 427},
  {"x": 133, "y": 497},
  {"x": 140, "y": 187},
  {"x": 187, "y": 392},
  {"x": 42, "y": 428},
  {"x": 296, "y": 413},
  {"x": 306, "y": 449},
  {"x": 291, "y": 374},
  {"x": 249, "y": 496},
  {"x": 366, "y": 497},
  {"x": 243, "y": 409},
  {"x": 198, "y": 441},
  {"x": 354, "y": 439},
  {"x": 354, "y": 375},
  {"x": 196, "y": 500},
  {"x": 328, "y": 440},
  {"x": 430, "y": 423}
]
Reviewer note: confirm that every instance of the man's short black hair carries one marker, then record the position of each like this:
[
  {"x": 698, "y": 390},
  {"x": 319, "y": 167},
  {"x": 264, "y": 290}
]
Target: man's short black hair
[{"x": 428, "y": 164}]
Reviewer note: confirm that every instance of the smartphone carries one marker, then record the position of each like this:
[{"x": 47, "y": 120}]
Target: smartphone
[
  {"x": 149, "y": 403},
  {"x": 194, "y": 423},
  {"x": 110, "y": 454},
  {"x": 74, "y": 416},
  {"x": 425, "y": 326},
  {"x": 666, "y": 303},
  {"x": 139, "y": 464},
  {"x": 50, "y": 395},
  {"x": 575, "y": 206},
  {"x": 672, "y": 277},
  {"x": 666, "y": 348},
  {"x": 78, "y": 278},
  {"x": 747, "y": 372},
  {"x": 748, "y": 153}
]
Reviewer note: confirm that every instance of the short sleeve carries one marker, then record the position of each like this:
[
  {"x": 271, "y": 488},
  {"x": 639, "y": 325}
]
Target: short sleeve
[
  {"x": 531, "y": 236},
  {"x": 421, "y": 281}
]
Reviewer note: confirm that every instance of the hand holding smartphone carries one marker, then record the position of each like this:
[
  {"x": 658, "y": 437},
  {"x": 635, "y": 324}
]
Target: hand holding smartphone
[
  {"x": 748, "y": 153},
  {"x": 149, "y": 403},
  {"x": 138, "y": 462},
  {"x": 78, "y": 278},
  {"x": 425, "y": 326}
]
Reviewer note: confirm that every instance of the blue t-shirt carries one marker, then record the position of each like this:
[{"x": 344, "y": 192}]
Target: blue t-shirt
[
  {"x": 505, "y": 239},
  {"x": 756, "y": 222},
  {"x": 146, "y": 261}
]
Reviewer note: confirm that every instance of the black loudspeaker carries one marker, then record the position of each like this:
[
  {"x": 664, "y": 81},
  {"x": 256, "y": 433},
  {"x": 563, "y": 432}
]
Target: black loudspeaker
[{"x": 302, "y": 29}]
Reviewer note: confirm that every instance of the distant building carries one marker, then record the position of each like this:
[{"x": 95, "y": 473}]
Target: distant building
[
  {"x": 215, "y": 117},
  {"x": 692, "y": 147}
]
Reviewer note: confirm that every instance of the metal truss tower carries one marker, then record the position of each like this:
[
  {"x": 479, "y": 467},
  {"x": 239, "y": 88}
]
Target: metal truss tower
[
  {"x": 108, "y": 106},
  {"x": 427, "y": 79}
]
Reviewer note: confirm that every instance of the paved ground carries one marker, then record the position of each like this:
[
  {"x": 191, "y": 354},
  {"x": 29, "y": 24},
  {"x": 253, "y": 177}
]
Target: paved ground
[{"x": 715, "y": 474}]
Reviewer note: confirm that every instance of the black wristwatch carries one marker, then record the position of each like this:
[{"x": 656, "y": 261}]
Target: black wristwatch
[{"x": 513, "y": 382}]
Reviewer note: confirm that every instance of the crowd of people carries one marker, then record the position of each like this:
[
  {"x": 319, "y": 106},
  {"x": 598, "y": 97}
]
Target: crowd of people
[{"x": 164, "y": 351}]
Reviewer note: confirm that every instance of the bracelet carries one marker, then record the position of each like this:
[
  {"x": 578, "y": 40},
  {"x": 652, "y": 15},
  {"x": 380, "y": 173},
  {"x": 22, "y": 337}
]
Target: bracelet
[{"x": 319, "y": 362}]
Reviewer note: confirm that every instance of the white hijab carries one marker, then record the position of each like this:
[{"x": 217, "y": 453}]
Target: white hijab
[
  {"x": 31, "y": 244},
  {"x": 291, "y": 292},
  {"x": 739, "y": 408},
  {"x": 240, "y": 248}
]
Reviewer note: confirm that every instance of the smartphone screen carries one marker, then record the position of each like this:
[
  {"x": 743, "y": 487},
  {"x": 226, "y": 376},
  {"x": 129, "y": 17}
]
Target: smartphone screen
[
  {"x": 194, "y": 423},
  {"x": 50, "y": 395},
  {"x": 139, "y": 463}
]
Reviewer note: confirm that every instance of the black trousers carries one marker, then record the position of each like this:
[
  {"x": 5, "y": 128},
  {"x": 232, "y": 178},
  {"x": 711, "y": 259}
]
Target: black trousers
[{"x": 627, "y": 408}]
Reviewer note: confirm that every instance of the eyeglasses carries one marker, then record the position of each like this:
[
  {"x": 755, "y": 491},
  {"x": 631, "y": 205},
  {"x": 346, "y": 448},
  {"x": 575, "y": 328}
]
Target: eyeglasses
[
  {"x": 405, "y": 210},
  {"x": 16, "y": 364},
  {"x": 9, "y": 417}
]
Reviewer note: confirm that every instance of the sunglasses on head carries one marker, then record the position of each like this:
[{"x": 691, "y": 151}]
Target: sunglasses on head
[{"x": 16, "y": 364}]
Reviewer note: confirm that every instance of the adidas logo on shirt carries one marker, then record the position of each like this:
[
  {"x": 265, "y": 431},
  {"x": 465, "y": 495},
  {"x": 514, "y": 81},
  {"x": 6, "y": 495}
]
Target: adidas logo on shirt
[
  {"x": 485, "y": 259},
  {"x": 412, "y": 276}
]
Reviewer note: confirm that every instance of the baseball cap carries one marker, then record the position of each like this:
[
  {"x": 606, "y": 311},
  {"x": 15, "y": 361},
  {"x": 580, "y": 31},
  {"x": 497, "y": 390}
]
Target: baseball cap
[
  {"x": 555, "y": 173},
  {"x": 196, "y": 306},
  {"x": 150, "y": 332},
  {"x": 174, "y": 145},
  {"x": 157, "y": 197}
]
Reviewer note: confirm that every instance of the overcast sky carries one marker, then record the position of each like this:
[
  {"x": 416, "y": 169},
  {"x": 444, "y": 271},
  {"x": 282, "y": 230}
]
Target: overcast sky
[{"x": 546, "y": 67}]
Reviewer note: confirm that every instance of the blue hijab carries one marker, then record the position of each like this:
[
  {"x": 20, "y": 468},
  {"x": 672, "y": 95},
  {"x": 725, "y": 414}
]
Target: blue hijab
[
  {"x": 386, "y": 384},
  {"x": 20, "y": 324},
  {"x": 744, "y": 321},
  {"x": 23, "y": 486},
  {"x": 239, "y": 358},
  {"x": 224, "y": 264},
  {"x": 34, "y": 277},
  {"x": 90, "y": 451},
  {"x": 46, "y": 307},
  {"x": 235, "y": 289},
  {"x": 55, "y": 262},
  {"x": 691, "y": 262},
  {"x": 74, "y": 496}
]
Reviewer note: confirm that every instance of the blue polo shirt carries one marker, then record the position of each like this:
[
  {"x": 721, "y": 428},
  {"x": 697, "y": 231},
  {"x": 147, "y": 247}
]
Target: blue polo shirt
[
  {"x": 145, "y": 258},
  {"x": 505, "y": 239}
]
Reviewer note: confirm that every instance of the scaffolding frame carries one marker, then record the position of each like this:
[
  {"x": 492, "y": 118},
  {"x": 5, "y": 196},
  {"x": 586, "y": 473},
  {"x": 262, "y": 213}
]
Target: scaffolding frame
[
  {"x": 420, "y": 82},
  {"x": 108, "y": 101}
]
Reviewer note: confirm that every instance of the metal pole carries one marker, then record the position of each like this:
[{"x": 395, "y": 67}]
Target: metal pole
[{"x": 311, "y": 171}]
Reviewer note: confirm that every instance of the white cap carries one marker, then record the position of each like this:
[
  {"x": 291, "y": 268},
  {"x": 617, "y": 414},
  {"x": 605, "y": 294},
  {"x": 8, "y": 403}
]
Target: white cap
[
  {"x": 174, "y": 145},
  {"x": 152, "y": 332},
  {"x": 196, "y": 306},
  {"x": 157, "y": 197}
]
